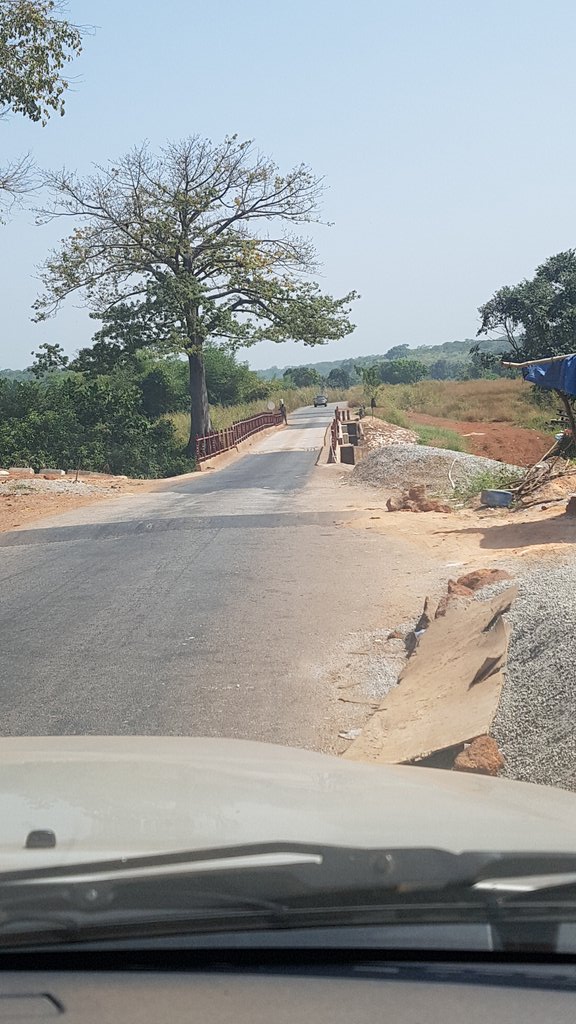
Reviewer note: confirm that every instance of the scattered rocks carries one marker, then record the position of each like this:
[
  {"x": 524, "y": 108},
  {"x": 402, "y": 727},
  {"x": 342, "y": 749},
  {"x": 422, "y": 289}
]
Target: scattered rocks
[
  {"x": 482, "y": 756},
  {"x": 416, "y": 500},
  {"x": 466, "y": 587}
]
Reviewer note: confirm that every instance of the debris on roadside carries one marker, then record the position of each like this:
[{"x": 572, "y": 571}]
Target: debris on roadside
[{"x": 415, "y": 499}]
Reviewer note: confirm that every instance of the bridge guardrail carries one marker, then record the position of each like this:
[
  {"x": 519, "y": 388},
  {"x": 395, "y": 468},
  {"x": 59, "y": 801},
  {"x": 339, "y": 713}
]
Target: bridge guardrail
[{"x": 230, "y": 437}]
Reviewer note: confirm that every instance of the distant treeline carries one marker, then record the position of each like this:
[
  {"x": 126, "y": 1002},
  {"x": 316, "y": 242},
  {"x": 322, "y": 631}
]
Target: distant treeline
[{"x": 451, "y": 361}]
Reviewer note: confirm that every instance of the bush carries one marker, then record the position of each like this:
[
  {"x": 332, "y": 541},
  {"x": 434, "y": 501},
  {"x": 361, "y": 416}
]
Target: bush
[
  {"x": 95, "y": 423},
  {"x": 488, "y": 480}
]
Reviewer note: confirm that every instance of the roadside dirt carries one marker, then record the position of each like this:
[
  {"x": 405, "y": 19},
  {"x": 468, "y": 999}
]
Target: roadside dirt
[
  {"x": 461, "y": 538},
  {"x": 22, "y": 501},
  {"x": 518, "y": 446}
]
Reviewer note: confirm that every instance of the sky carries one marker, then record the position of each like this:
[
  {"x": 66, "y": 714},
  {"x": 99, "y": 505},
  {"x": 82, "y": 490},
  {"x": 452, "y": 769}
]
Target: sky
[{"x": 443, "y": 130}]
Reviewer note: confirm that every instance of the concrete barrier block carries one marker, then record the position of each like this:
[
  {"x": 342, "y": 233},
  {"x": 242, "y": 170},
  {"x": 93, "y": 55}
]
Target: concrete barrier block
[
  {"x": 347, "y": 453},
  {"x": 21, "y": 471}
]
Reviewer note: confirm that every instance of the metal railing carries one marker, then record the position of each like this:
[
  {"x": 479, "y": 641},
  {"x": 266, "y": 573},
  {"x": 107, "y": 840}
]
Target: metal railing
[{"x": 223, "y": 440}]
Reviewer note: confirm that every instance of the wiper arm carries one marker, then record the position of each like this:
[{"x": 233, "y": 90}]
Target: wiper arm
[
  {"x": 285, "y": 874},
  {"x": 331, "y": 866}
]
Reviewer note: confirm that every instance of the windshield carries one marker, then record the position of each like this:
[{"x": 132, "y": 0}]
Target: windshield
[{"x": 287, "y": 475}]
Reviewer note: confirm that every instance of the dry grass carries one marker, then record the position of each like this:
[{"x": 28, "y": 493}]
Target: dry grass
[{"x": 487, "y": 401}]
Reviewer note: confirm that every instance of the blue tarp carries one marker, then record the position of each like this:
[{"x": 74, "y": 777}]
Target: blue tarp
[{"x": 560, "y": 375}]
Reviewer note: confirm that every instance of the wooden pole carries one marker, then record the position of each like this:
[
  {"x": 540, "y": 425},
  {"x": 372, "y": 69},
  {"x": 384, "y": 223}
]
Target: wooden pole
[{"x": 539, "y": 362}]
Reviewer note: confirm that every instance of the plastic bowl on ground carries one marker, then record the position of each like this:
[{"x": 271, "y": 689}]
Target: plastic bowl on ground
[{"x": 496, "y": 499}]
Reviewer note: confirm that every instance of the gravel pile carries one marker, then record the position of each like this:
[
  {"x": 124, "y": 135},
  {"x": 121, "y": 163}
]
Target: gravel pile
[
  {"x": 53, "y": 486},
  {"x": 400, "y": 465},
  {"x": 378, "y": 433},
  {"x": 535, "y": 725}
]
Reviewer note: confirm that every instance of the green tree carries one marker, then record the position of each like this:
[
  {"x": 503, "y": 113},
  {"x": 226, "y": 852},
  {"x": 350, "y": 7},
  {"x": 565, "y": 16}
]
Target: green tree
[
  {"x": 371, "y": 382},
  {"x": 302, "y": 377},
  {"x": 443, "y": 369},
  {"x": 339, "y": 378},
  {"x": 229, "y": 382},
  {"x": 538, "y": 316},
  {"x": 47, "y": 359},
  {"x": 397, "y": 352},
  {"x": 35, "y": 46},
  {"x": 190, "y": 247},
  {"x": 403, "y": 371}
]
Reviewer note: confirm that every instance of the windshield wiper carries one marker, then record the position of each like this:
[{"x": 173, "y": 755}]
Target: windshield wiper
[
  {"x": 327, "y": 867},
  {"x": 271, "y": 885},
  {"x": 284, "y": 886}
]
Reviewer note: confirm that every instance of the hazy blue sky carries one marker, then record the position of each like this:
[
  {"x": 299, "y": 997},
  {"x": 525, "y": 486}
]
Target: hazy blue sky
[{"x": 445, "y": 131}]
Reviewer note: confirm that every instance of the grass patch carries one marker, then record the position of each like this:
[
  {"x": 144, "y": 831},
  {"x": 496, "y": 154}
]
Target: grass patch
[
  {"x": 488, "y": 480},
  {"x": 479, "y": 401},
  {"x": 441, "y": 437}
]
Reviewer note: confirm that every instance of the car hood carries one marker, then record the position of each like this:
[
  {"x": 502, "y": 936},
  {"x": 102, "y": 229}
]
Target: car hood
[{"x": 125, "y": 796}]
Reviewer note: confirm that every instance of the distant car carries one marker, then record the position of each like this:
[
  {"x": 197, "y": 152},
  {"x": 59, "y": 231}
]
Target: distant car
[{"x": 320, "y": 400}]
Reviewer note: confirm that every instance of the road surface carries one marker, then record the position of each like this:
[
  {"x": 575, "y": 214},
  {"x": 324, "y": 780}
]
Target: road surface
[{"x": 209, "y": 608}]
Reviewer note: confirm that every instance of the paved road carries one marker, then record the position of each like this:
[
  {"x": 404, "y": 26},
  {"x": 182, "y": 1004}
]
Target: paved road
[{"x": 206, "y": 608}]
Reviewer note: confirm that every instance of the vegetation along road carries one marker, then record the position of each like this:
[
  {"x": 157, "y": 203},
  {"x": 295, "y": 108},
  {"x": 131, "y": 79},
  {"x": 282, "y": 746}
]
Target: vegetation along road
[{"x": 208, "y": 608}]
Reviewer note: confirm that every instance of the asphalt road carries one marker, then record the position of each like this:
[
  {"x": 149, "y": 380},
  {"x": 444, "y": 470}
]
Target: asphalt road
[{"x": 208, "y": 608}]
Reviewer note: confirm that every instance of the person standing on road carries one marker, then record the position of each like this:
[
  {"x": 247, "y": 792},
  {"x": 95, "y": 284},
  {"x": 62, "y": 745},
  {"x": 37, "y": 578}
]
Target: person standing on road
[{"x": 283, "y": 411}]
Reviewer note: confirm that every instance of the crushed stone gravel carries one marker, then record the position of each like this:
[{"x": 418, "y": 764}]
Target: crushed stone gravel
[
  {"x": 535, "y": 725},
  {"x": 51, "y": 486},
  {"x": 400, "y": 465}
]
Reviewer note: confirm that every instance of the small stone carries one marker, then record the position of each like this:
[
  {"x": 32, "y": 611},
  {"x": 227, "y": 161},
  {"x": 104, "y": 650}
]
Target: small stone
[
  {"x": 457, "y": 589},
  {"x": 433, "y": 506},
  {"x": 482, "y": 757},
  {"x": 394, "y": 504},
  {"x": 571, "y": 506},
  {"x": 417, "y": 492}
]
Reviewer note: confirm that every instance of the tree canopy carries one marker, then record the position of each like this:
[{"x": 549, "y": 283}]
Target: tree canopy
[
  {"x": 190, "y": 246},
  {"x": 403, "y": 371},
  {"x": 538, "y": 316},
  {"x": 301, "y": 377},
  {"x": 35, "y": 46}
]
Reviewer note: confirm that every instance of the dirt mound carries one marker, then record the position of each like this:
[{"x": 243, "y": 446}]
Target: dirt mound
[{"x": 500, "y": 441}]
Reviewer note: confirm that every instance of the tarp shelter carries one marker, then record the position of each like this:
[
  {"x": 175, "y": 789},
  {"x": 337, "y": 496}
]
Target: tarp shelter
[{"x": 558, "y": 374}]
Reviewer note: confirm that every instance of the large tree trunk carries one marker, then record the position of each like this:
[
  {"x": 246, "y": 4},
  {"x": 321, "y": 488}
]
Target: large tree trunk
[{"x": 200, "y": 423}]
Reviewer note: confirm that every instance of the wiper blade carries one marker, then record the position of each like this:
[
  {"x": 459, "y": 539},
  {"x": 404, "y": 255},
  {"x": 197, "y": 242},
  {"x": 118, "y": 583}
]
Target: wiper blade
[
  {"x": 303, "y": 869},
  {"x": 333, "y": 865}
]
